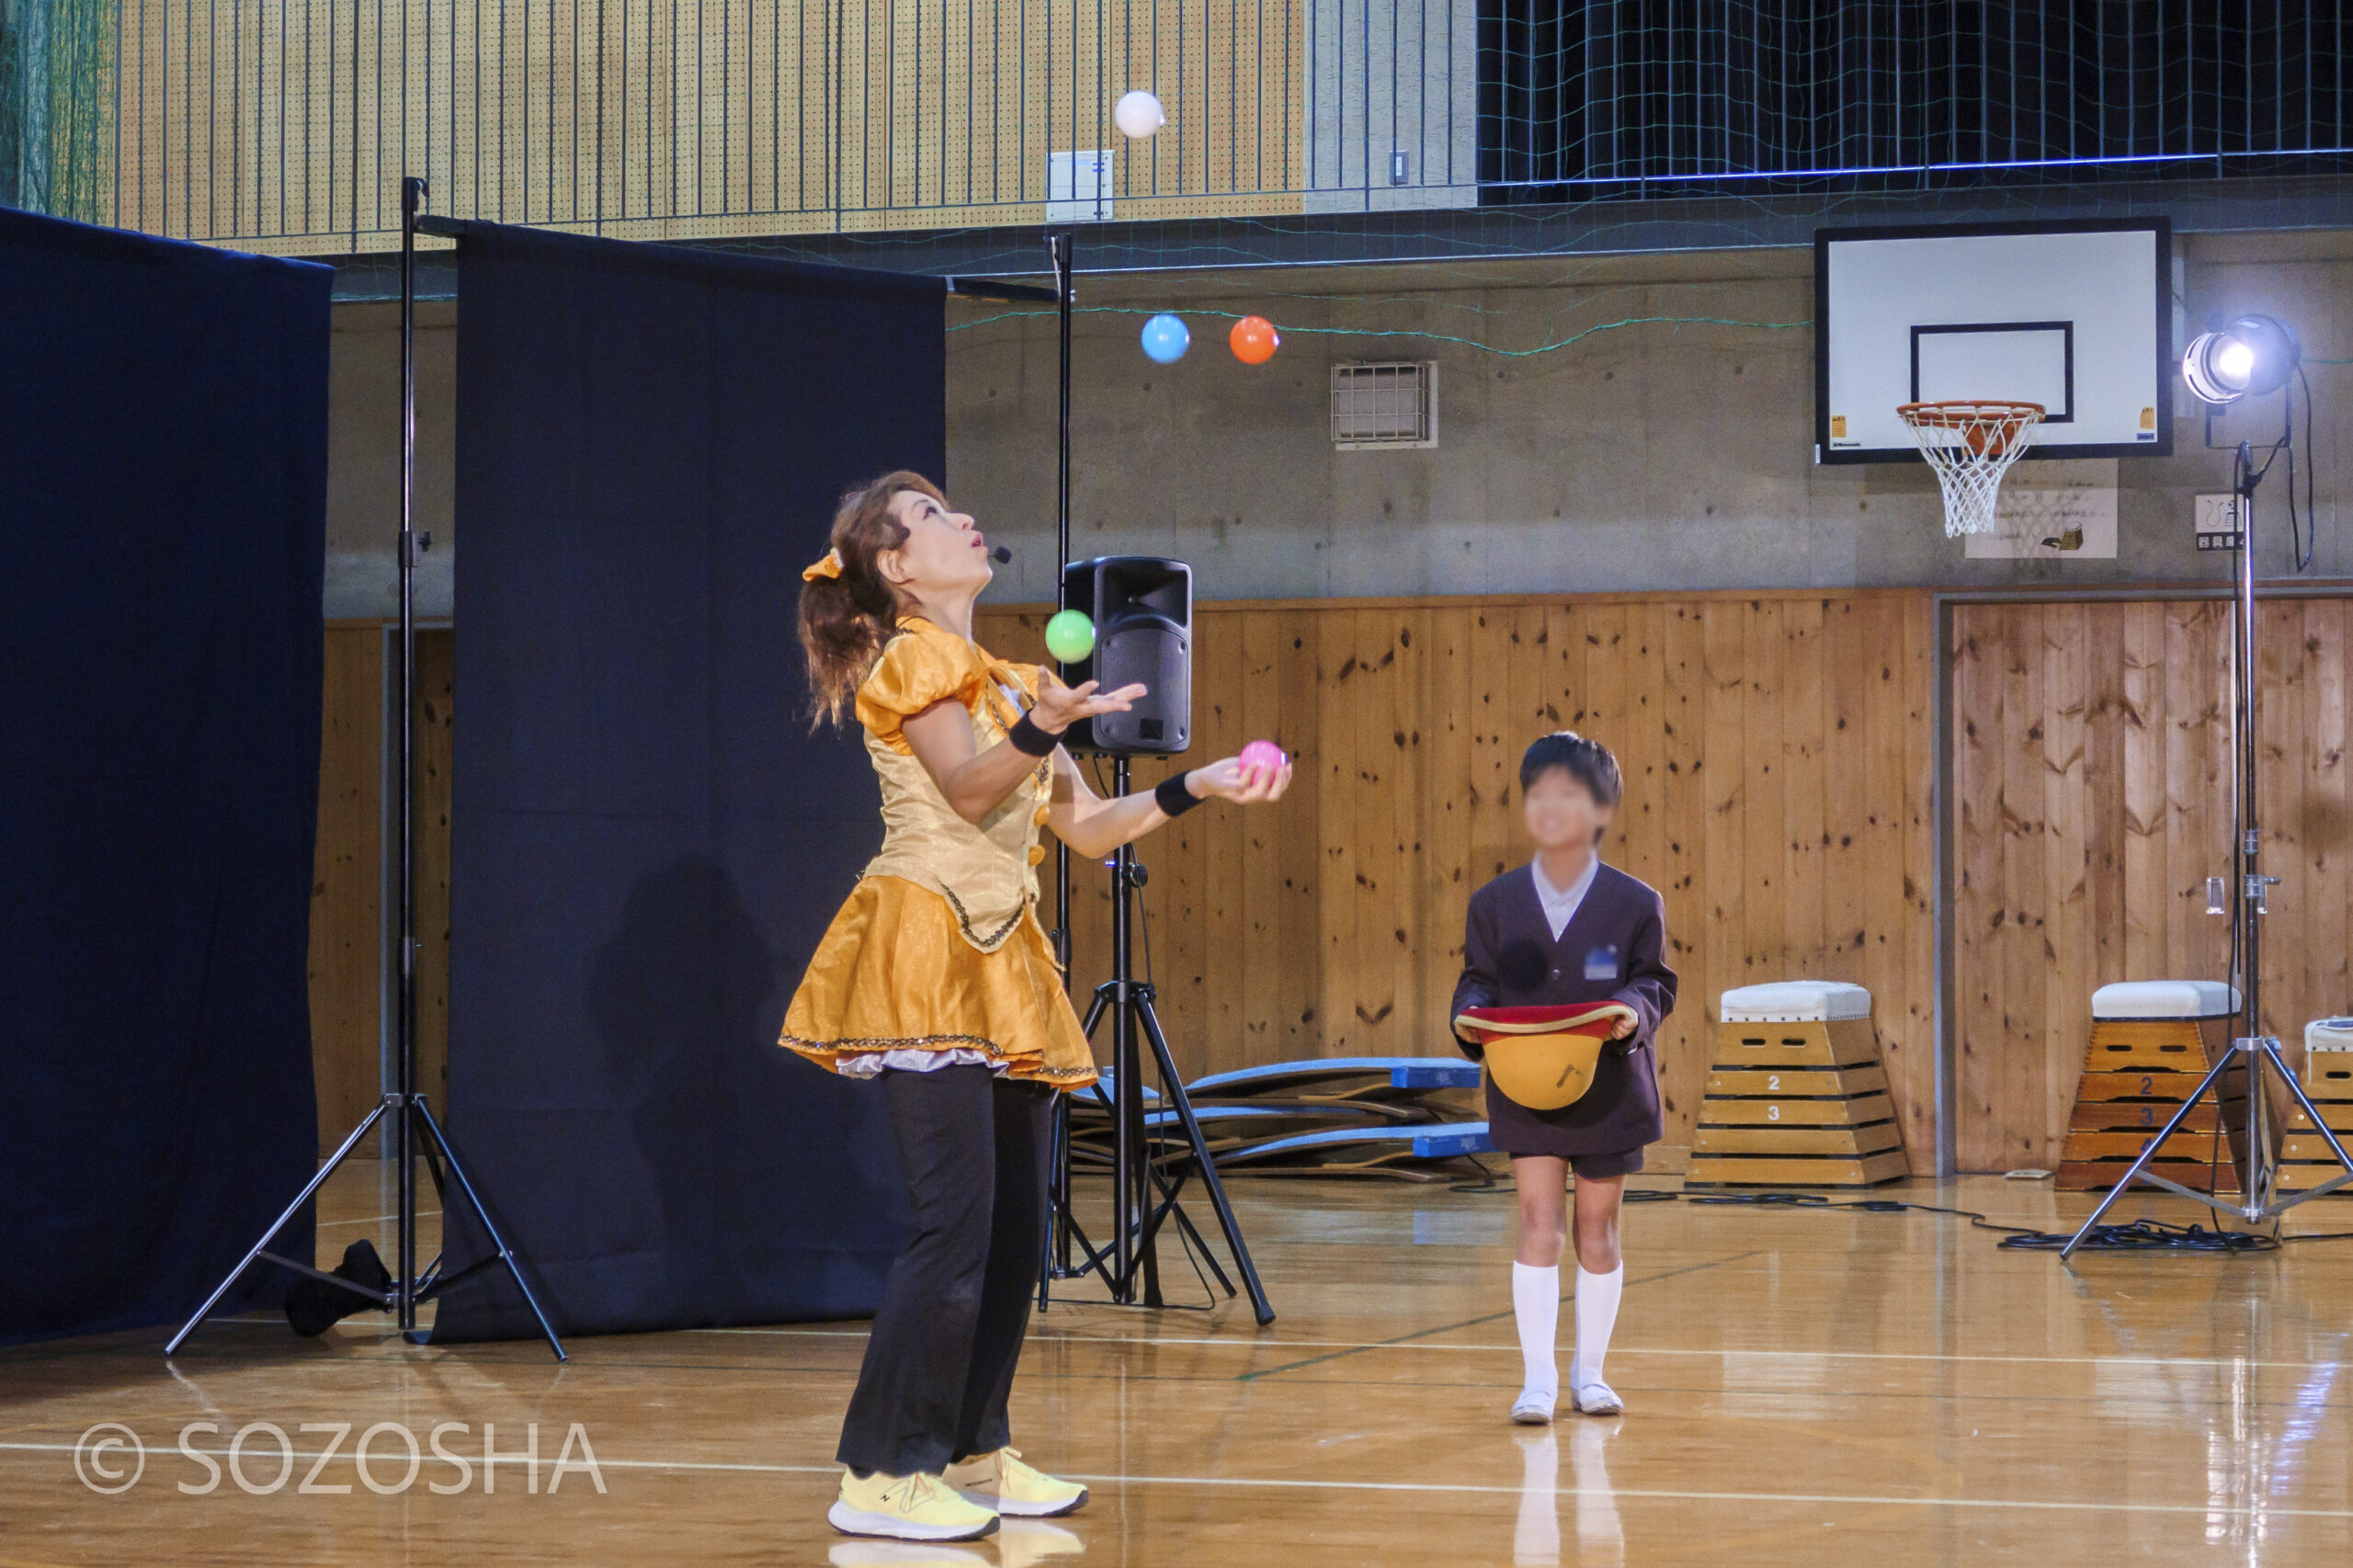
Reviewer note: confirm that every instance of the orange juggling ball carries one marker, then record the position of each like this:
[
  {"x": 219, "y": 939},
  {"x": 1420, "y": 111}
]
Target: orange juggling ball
[{"x": 1255, "y": 340}]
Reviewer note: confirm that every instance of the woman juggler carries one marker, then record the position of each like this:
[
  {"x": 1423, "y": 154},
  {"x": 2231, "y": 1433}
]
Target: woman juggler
[{"x": 937, "y": 982}]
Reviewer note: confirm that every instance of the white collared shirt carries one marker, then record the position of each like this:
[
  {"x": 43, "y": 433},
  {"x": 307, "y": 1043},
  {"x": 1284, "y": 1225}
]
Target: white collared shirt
[{"x": 1561, "y": 903}]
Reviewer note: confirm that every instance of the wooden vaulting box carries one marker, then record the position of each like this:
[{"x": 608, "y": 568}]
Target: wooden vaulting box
[
  {"x": 1797, "y": 1096},
  {"x": 2305, "y": 1160},
  {"x": 2152, "y": 1045}
]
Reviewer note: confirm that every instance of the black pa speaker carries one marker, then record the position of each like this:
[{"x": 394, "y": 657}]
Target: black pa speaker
[{"x": 1142, "y": 609}]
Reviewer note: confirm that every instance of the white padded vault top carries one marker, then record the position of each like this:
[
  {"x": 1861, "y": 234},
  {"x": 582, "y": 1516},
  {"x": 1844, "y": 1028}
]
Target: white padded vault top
[
  {"x": 2166, "y": 999},
  {"x": 1793, "y": 1000},
  {"x": 2329, "y": 1034}
]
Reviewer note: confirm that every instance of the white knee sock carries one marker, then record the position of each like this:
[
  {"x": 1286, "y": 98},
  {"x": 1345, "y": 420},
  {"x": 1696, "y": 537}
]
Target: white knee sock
[
  {"x": 1536, "y": 1303},
  {"x": 1597, "y": 1314}
]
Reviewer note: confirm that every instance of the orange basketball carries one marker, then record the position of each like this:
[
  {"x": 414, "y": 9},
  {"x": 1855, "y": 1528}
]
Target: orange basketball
[{"x": 1255, "y": 340}]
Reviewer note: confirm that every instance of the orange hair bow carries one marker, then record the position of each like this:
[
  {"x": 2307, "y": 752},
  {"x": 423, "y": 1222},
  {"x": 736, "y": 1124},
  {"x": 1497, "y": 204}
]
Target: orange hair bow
[{"x": 827, "y": 565}]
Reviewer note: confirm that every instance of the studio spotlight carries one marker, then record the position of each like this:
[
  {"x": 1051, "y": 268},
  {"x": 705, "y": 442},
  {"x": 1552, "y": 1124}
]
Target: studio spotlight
[{"x": 2252, "y": 355}]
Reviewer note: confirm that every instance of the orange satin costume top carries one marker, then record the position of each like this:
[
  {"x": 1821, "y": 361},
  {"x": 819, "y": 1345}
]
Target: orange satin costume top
[{"x": 938, "y": 947}]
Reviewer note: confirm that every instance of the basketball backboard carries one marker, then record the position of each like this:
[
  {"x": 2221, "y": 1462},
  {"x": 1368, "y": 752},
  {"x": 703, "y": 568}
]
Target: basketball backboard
[{"x": 2077, "y": 317}]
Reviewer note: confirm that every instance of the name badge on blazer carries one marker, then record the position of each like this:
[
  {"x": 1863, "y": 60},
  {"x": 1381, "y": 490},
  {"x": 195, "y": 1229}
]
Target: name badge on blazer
[{"x": 1601, "y": 963}]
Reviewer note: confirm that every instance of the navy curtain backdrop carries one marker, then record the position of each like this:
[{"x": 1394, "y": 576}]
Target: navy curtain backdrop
[
  {"x": 647, "y": 840},
  {"x": 163, "y": 497}
]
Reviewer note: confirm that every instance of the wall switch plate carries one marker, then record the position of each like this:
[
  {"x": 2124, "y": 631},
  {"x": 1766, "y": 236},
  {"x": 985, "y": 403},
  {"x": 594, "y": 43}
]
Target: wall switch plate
[
  {"x": 2218, "y": 522},
  {"x": 1079, "y": 185}
]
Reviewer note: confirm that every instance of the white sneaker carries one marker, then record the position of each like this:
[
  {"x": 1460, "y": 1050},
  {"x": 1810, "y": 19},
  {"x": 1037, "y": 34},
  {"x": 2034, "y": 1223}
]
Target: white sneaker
[
  {"x": 1597, "y": 1398},
  {"x": 1533, "y": 1407}
]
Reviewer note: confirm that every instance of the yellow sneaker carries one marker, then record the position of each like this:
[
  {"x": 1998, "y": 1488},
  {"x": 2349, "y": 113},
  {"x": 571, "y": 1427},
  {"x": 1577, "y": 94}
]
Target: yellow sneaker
[
  {"x": 907, "y": 1508},
  {"x": 1003, "y": 1481}
]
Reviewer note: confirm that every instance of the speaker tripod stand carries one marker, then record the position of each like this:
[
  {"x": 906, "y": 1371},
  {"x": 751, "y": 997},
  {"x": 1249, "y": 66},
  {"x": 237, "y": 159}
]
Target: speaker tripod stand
[{"x": 1145, "y": 1187}]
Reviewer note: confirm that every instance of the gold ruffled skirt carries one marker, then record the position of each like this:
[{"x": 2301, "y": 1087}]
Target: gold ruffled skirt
[{"x": 893, "y": 973}]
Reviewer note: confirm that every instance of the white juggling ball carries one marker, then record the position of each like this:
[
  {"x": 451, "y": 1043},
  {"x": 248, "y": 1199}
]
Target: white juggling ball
[{"x": 1138, "y": 115}]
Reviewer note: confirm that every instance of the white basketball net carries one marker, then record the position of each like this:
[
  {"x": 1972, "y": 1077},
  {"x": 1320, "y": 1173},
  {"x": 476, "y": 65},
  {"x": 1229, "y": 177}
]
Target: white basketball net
[{"x": 1971, "y": 446}]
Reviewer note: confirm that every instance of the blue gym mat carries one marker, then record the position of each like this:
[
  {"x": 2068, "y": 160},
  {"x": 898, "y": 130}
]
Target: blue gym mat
[
  {"x": 1300, "y": 1099},
  {"x": 1402, "y": 1072}
]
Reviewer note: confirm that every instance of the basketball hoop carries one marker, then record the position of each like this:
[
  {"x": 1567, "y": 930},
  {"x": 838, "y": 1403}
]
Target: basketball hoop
[{"x": 1971, "y": 445}]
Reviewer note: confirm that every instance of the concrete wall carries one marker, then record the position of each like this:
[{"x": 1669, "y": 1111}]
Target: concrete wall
[
  {"x": 1673, "y": 453},
  {"x": 1388, "y": 77},
  {"x": 364, "y": 457}
]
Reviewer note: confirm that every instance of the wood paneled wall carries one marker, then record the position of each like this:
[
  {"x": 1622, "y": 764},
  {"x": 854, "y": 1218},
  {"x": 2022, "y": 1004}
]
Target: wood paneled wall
[
  {"x": 2092, "y": 785},
  {"x": 352, "y": 914},
  {"x": 347, "y": 963},
  {"x": 1778, "y": 757},
  {"x": 1779, "y": 766}
]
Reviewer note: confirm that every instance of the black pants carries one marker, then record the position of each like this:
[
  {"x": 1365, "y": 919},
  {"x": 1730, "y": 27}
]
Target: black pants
[{"x": 939, "y": 1363}]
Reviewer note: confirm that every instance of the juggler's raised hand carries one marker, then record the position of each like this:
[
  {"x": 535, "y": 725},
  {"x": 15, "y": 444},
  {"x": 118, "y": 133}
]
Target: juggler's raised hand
[{"x": 1059, "y": 706}]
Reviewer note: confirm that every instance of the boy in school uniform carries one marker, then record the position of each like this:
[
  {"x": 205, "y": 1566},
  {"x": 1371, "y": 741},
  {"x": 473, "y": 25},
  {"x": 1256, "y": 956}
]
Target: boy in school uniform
[{"x": 1567, "y": 931}]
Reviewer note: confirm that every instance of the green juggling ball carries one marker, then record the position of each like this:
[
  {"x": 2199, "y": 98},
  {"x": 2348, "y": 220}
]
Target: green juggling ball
[{"x": 1070, "y": 637}]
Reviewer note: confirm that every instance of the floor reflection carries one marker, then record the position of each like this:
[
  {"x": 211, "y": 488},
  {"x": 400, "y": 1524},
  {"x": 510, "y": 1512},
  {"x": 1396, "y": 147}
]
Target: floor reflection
[
  {"x": 1019, "y": 1543},
  {"x": 1536, "y": 1536},
  {"x": 1811, "y": 1390},
  {"x": 1601, "y": 1539},
  {"x": 2251, "y": 1379},
  {"x": 2255, "y": 1457},
  {"x": 891, "y": 1553}
]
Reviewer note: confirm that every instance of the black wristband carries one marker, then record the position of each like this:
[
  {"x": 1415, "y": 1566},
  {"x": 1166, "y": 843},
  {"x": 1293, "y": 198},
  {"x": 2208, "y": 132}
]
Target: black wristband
[
  {"x": 1174, "y": 797},
  {"x": 1029, "y": 739}
]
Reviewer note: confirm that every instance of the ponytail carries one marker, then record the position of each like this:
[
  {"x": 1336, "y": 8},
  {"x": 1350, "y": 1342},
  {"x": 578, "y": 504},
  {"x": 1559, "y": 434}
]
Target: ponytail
[{"x": 847, "y": 617}]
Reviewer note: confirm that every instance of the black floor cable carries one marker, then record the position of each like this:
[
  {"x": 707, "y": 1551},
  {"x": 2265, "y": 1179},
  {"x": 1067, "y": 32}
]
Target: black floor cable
[
  {"x": 1494, "y": 1183},
  {"x": 2147, "y": 1235}
]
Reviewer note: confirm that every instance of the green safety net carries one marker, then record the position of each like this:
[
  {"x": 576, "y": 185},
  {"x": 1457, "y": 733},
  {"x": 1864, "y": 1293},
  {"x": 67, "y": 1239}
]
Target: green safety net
[{"x": 57, "y": 102}]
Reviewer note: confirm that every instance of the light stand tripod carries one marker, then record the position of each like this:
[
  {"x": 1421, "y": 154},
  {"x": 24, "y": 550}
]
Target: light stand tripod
[
  {"x": 411, "y": 1129},
  {"x": 2256, "y": 1051},
  {"x": 1062, "y": 1227}
]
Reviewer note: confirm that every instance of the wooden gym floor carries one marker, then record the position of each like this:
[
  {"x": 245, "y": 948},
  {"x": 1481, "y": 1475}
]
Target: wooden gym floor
[{"x": 1815, "y": 1389}]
